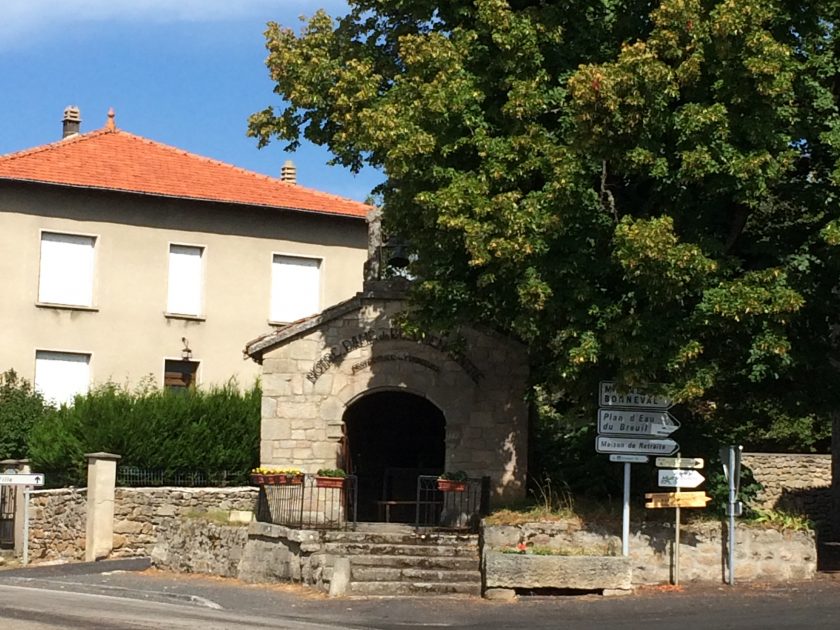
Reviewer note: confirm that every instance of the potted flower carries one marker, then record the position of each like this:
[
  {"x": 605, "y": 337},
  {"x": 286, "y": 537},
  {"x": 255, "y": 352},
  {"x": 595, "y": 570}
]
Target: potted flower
[
  {"x": 330, "y": 478},
  {"x": 453, "y": 481},
  {"x": 276, "y": 476},
  {"x": 285, "y": 477}
]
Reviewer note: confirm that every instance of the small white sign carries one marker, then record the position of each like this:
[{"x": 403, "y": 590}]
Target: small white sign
[
  {"x": 680, "y": 478},
  {"x": 629, "y": 459},
  {"x": 680, "y": 462},
  {"x": 642, "y": 446},
  {"x": 636, "y": 422},
  {"x": 22, "y": 479}
]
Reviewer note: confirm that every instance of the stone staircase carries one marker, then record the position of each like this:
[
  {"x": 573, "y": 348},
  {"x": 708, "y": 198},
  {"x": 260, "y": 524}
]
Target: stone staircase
[{"x": 390, "y": 560}]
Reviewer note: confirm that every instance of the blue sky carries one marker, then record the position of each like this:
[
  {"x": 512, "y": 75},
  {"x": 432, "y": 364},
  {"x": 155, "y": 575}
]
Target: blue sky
[{"x": 183, "y": 72}]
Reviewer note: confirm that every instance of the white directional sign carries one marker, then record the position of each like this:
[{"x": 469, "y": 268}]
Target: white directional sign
[
  {"x": 629, "y": 459},
  {"x": 642, "y": 446},
  {"x": 610, "y": 396},
  {"x": 22, "y": 479},
  {"x": 680, "y": 462},
  {"x": 636, "y": 422},
  {"x": 680, "y": 478}
]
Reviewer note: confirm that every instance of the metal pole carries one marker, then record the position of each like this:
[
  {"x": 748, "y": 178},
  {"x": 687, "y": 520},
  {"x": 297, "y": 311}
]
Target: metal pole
[
  {"x": 25, "y": 525},
  {"x": 731, "y": 515},
  {"x": 625, "y": 521},
  {"x": 677, "y": 547}
]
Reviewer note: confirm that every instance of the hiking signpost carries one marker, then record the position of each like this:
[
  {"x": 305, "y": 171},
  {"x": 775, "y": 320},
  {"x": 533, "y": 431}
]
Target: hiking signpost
[
  {"x": 678, "y": 472},
  {"x": 632, "y": 425}
]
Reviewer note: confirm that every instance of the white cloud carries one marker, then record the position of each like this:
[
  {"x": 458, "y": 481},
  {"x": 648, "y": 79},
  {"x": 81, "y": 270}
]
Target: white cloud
[{"x": 29, "y": 21}]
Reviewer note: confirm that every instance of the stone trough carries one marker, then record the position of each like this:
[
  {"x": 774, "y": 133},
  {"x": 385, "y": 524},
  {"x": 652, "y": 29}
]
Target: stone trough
[{"x": 611, "y": 575}]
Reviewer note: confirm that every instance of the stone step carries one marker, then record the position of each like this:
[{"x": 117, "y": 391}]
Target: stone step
[
  {"x": 403, "y": 538},
  {"x": 386, "y": 549},
  {"x": 386, "y": 589},
  {"x": 412, "y": 574},
  {"x": 417, "y": 562}
]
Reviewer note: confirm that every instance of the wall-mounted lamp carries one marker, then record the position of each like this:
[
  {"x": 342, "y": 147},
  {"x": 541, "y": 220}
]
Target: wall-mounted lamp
[{"x": 186, "y": 353}]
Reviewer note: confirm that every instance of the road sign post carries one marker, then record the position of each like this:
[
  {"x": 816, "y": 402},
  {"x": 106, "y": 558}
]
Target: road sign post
[
  {"x": 27, "y": 480},
  {"x": 730, "y": 457}
]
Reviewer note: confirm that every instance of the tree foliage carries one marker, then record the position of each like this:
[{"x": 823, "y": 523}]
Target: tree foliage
[{"x": 639, "y": 190}]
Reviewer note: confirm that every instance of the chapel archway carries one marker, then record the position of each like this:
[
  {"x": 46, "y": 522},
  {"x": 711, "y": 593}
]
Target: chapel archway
[{"x": 392, "y": 437}]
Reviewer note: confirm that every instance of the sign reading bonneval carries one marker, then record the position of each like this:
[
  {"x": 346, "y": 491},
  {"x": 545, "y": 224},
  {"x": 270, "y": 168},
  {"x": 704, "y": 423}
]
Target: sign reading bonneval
[{"x": 367, "y": 337}]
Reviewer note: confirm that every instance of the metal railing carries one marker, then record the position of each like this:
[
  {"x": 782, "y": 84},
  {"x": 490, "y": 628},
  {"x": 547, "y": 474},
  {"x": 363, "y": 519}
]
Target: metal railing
[
  {"x": 8, "y": 495},
  {"x": 306, "y": 502},
  {"x": 459, "y": 506},
  {"x": 136, "y": 477}
]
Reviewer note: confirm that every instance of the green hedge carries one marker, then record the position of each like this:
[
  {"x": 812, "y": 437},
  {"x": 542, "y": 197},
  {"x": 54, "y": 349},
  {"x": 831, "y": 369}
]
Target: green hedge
[
  {"x": 20, "y": 407},
  {"x": 217, "y": 429}
]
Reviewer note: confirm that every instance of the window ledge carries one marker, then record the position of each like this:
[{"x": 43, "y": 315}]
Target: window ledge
[
  {"x": 192, "y": 318},
  {"x": 67, "y": 307}
]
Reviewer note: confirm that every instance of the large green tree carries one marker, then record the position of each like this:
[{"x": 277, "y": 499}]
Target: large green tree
[{"x": 635, "y": 189}]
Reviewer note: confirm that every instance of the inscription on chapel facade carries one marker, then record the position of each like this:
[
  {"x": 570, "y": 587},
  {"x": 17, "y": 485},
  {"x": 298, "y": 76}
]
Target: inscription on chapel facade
[{"x": 367, "y": 337}]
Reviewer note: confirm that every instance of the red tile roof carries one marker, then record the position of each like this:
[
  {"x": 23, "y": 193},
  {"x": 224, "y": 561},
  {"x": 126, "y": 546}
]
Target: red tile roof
[{"x": 112, "y": 159}]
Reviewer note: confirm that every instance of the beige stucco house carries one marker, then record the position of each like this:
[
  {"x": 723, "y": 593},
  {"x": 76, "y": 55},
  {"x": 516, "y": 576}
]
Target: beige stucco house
[{"x": 122, "y": 258}]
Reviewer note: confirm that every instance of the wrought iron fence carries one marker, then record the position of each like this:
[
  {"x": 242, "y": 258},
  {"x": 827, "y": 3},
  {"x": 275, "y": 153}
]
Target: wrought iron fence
[
  {"x": 135, "y": 477},
  {"x": 308, "y": 502},
  {"x": 458, "y": 505},
  {"x": 8, "y": 495}
]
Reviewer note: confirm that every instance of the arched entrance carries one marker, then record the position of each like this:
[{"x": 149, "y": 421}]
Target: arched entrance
[{"x": 391, "y": 438}]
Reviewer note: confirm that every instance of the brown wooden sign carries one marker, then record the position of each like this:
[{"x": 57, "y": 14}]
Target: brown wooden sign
[{"x": 676, "y": 499}]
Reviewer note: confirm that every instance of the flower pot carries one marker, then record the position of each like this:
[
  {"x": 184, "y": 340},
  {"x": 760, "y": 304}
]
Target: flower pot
[
  {"x": 448, "y": 485},
  {"x": 257, "y": 479},
  {"x": 278, "y": 479},
  {"x": 329, "y": 482}
]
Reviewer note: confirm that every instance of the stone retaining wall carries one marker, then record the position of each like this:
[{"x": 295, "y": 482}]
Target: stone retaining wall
[
  {"x": 798, "y": 483},
  {"x": 257, "y": 552},
  {"x": 139, "y": 512},
  {"x": 58, "y": 517},
  {"x": 760, "y": 554},
  {"x": 57, "y": 520}
]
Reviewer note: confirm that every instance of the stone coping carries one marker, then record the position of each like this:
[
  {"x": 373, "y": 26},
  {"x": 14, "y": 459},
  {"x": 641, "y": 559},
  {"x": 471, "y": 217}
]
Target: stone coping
[{"x": 515, "y": 570}]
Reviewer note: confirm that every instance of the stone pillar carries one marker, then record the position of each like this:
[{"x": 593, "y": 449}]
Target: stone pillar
[
  {"x": 102, "y": 477},
  {"x": 17, "y": 466}
]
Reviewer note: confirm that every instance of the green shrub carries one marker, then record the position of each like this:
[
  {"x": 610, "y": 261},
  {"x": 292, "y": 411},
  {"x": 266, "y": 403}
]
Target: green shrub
[
  {"x": 198, "y": 430},
  {"x": 20, "y": 407}
]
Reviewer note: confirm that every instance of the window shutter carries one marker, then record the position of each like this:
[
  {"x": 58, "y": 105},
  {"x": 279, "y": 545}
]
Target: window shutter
[
  {"x": 185, "y": 280},
  {"x": 295, "y": 288},
  {"x": 66, "y": 275},
  {"x": 59, "y": 376}
]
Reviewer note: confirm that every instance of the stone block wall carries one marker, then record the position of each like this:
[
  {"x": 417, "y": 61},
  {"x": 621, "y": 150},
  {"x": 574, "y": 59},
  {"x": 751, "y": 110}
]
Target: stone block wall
[
  {"x": 58, "y": 517},
  {"x": 760, "y": 553},
  {"x": 57, "y": 522},
  {"x": 798, "y": 483},
  {"x": 140, "y": 512}
]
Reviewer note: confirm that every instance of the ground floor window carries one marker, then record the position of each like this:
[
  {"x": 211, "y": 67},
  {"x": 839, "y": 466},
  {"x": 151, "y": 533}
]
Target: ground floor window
[
  {"x": 59, "y": 376},
  {"x": 179, "y": 374}
]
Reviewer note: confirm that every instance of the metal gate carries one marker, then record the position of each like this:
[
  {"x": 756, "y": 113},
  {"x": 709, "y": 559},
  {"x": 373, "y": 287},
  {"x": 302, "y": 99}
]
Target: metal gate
[{"x": 7, "y": 516}]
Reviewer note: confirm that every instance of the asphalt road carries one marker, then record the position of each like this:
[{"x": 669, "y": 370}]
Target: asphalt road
[{"x": 100, "y": 601}]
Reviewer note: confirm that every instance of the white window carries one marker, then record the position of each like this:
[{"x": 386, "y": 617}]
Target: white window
[
  {"x": 185, "y": 280},
  {"x": 66, "y": 269},
  {"x": 295, "y": 288},
  {"x": 59, "y": 376}
]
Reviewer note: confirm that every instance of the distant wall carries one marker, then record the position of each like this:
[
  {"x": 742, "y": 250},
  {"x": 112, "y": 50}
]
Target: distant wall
[{"x": 799, "y": 483}]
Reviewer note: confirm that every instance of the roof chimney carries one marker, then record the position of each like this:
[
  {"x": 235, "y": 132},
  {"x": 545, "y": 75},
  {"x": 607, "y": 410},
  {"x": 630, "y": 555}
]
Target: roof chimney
[
  {"x": 72, "y": 121},
  {"x": 288, "y": 173}
]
